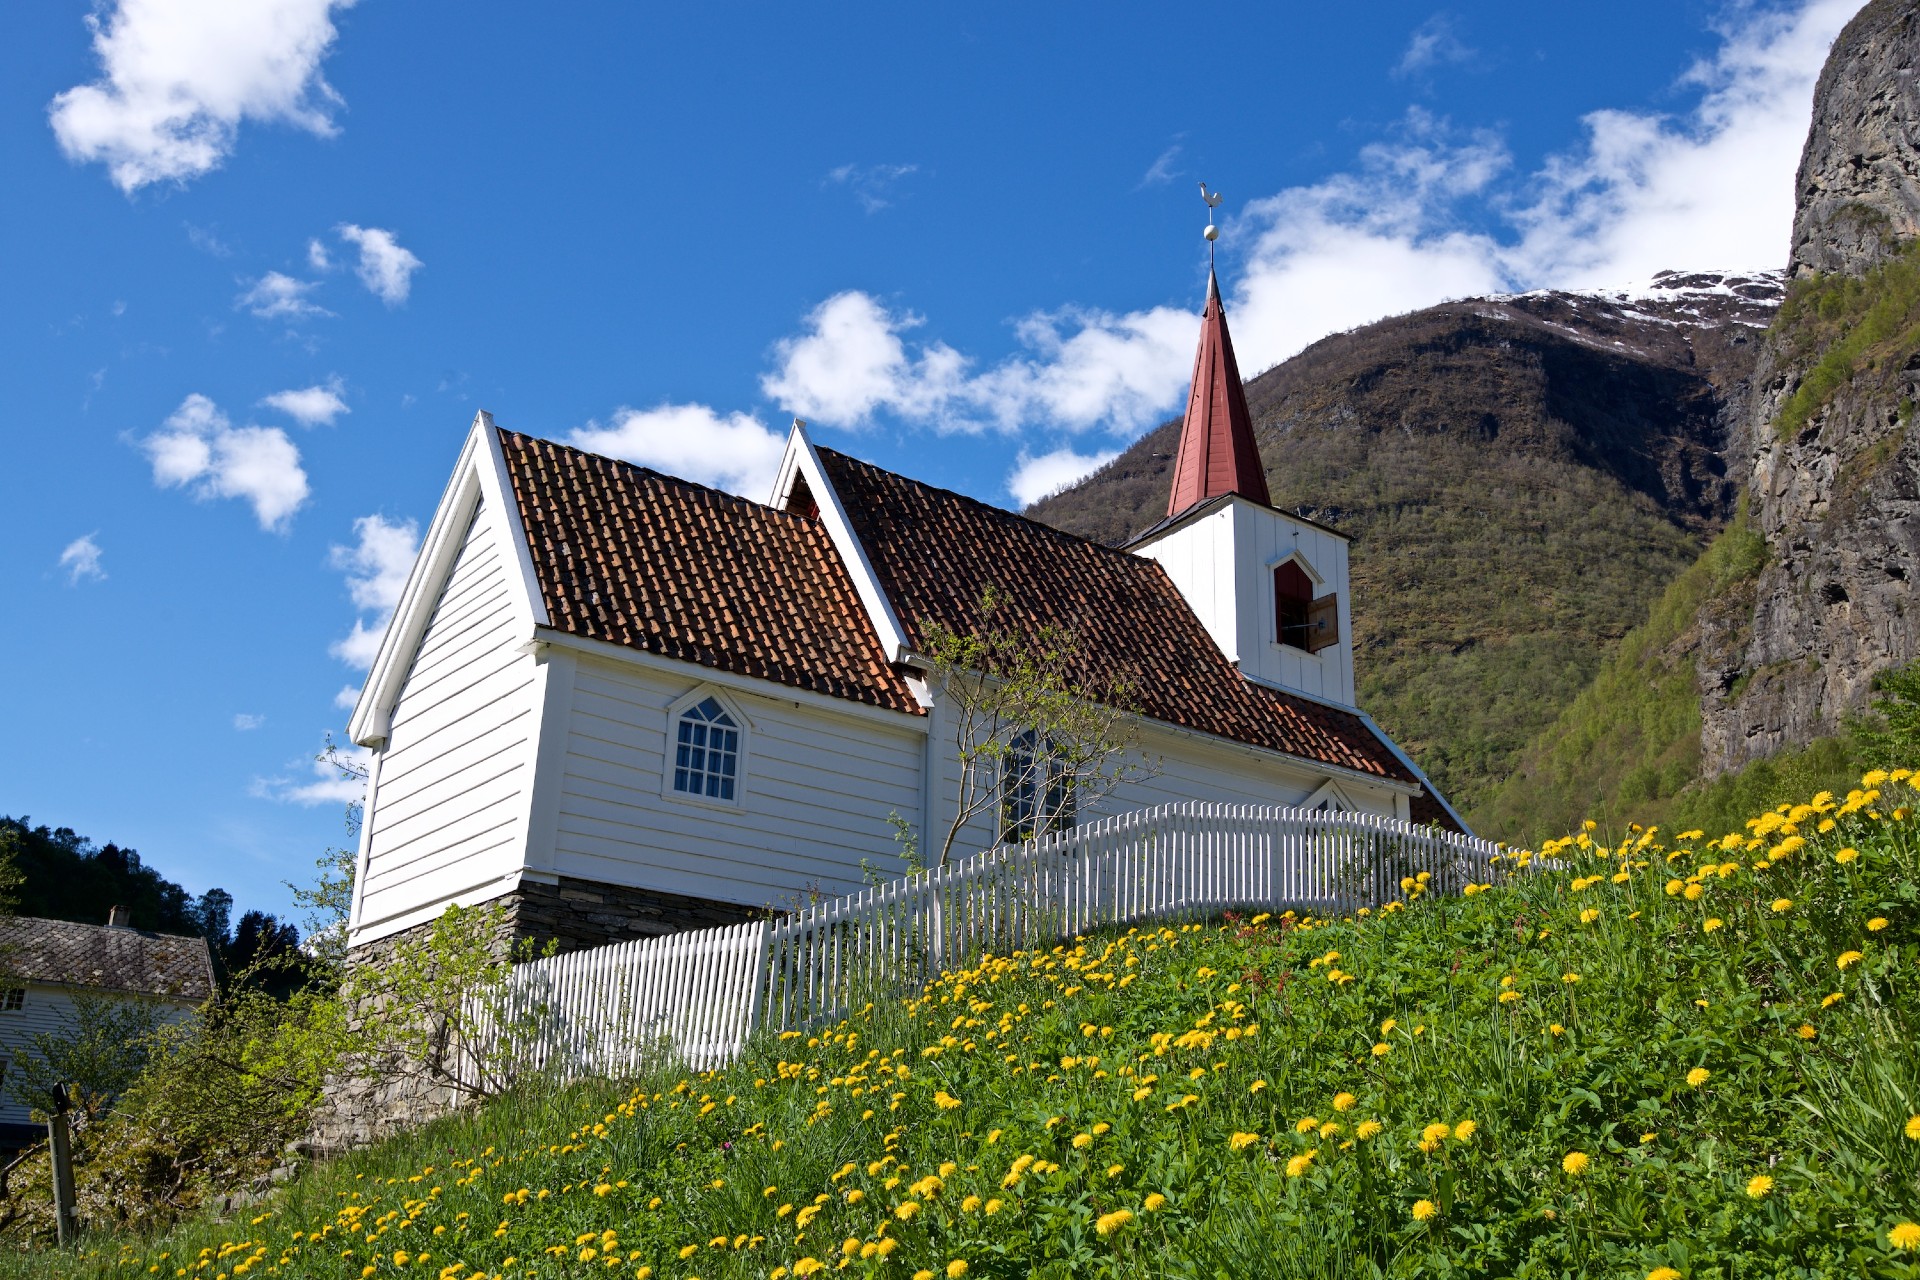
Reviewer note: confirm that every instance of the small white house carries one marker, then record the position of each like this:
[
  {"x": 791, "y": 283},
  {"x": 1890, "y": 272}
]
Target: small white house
[
  {"x": 621, "y": 703},
  {"x": 47, "y": 963}
]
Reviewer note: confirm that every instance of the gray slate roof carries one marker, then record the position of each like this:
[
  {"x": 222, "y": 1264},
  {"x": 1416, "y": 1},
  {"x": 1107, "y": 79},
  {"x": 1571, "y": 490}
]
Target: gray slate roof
[{"x": 128, "y": 961}]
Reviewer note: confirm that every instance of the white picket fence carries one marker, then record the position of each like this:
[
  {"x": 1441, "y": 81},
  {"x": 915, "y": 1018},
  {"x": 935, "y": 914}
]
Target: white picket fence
[{"x": 697, "y": 996}]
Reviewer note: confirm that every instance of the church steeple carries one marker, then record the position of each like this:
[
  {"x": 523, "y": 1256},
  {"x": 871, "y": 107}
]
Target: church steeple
[{"x": 1217, "y": 454}]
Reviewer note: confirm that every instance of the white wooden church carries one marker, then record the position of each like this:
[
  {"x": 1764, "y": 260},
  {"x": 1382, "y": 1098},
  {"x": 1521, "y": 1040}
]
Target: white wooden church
[{"x": 626, "y": 704}]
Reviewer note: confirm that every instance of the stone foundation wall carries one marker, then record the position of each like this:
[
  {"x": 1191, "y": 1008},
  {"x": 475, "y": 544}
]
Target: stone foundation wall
[{"x": 575, "y": 914}]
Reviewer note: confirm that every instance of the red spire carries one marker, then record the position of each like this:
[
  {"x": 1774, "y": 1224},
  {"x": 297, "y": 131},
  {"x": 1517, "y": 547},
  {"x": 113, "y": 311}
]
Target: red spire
[{"x": 1217, "y": 454}]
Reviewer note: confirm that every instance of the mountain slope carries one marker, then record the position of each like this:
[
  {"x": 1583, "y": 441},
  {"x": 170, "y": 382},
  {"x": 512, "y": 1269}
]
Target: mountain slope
[{"x": 1523, "y": 474}]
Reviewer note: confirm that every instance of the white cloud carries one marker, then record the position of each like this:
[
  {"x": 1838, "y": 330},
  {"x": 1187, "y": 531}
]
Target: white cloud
[
  {"x": 327, "y": 783},
  {"x": 377, "y": 567},
  {"x": 851, "y": 362},
  {"x": 199, "y": 447},
  {"x": 734, "y": 451},
  {"x": 179, "y": 76},
  {"x": 385, "y": 268},
  {"x": 317, "y": 256},
  {"x": 1161, "y": 171},
  {"x": 1433, "y": 43},
  {"x": 275, "y": 296},
  {"x": 81, "y": 560},
  {"x": 872, "y": 184},
  {"x": 310, "y": 406},
  {"x": 348, "y": 697},
  {"x": 1034, "y": 478},
  {"x": 245, "y": 723}
]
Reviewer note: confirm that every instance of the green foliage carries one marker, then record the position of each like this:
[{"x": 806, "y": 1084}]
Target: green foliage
[
  {"x": 1025, "y": 717},
  {"x": 1826, "y": 764},
  {"x": 1891, "y": 734},
  {"x": 1621, "y": 1058},
  {"x": 1629, "y": 742},
  {"x": 1857, "y": 324},
  {"x": 62, "y": 875},
  {"x": 97, "y": 1052}
]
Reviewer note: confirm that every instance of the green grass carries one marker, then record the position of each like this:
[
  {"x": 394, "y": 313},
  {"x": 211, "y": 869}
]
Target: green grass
[
  {"x": 1859, "y": 325},
  {"x": 1203, "y": 1101},
  {"x": 1629, "y": 744}
]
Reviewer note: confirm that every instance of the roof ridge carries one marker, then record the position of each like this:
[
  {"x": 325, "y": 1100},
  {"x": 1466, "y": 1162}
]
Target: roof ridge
[
  {"x": 667, "y": 476},
  {"x": 1054, "y": 531}
]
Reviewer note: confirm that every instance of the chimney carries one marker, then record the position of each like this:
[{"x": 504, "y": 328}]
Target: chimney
[{"x": 119, "y": 918}]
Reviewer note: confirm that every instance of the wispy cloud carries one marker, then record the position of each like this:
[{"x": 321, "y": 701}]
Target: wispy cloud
[
  {"x": 322, "y": 782},
  {"x": 315, "y": 406},
  {"x": 1161, "y": 171},
  {"x": 81, "y": 560},
  {"x": 276, "y": 296},
  {"x": 377, "y": 566},
  {"x": 179, "y": 77},
  {"x": 871, "y": 184},
  {"x": 1036, "y": 477},
  {"x": 1434, "y": 43},
  {"x": 246, "y": 723},
  {"x": 384, "y": 267},
  {"x": 199, "y": 448},
  {"x": 733, "y": 451}
]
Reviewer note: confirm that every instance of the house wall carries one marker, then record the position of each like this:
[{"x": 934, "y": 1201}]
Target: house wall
[
  {"x": 446, "y": 807},
  {"x": 48, "y": 1010},
  {"x": 816, "y": 789}
]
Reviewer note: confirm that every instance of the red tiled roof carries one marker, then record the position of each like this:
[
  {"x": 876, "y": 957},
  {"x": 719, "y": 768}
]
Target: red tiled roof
[
  {"x": 677, "y": 569},
  {"x": 936, "y": 552}
]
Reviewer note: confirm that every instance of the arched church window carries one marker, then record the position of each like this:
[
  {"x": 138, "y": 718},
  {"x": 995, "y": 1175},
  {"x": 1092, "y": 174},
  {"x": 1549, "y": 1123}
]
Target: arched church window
[{"x": 706, "y": 760}]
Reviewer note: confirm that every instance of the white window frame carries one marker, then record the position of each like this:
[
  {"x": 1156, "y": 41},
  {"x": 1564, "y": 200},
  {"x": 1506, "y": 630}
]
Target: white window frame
[
  {"x": 742, "y": 760},
  {"x": 1331, "y": 798},
  {"x": 1273, "y": 606},
  {"x": 1046, "y": 782},
  {"x": 13, "y": 999}
]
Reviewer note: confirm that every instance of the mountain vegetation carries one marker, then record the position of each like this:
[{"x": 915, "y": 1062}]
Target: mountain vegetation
[
  {"x": 1523, "y": 476},
  {"x": 1629, "y": 1055}
]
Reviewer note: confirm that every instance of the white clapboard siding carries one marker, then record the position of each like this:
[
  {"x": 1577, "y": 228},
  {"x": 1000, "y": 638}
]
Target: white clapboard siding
[
  {"x": 815, "y": 792},
  {"x": 696, "y": 997},
  {"x": 448, "y": 814}
]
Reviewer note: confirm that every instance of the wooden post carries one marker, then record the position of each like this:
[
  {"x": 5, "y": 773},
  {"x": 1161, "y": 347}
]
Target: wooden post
[{"x": 65, "y": 1214}]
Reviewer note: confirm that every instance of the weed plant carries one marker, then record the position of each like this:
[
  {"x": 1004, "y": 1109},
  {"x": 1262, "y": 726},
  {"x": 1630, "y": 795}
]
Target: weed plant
[{"x": 1625, "y": 1056}]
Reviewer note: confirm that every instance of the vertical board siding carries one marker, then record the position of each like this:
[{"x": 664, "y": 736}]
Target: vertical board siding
[
  {"x": 457, "y": 764},
  {"x": 696, "y": 997}
]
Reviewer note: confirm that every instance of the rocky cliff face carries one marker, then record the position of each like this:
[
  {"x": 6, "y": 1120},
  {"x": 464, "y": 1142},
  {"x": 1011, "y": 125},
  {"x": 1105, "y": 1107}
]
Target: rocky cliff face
[
  {"x": 1524, "y": 474},
  {"x": 1859, "y": 182},
  {"x": 1833, "y": 470}
]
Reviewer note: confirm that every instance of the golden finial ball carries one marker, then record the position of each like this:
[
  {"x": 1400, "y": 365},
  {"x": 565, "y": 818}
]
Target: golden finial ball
[{"x": 1212, "y": 232}]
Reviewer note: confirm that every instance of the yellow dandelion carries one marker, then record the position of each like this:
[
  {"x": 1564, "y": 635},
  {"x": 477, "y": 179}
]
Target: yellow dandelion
[
  {"x": 1569, "y": 978},
  {"x": 1664, "y": 1273},
  {"x": 1465, "y": 1130},
  {"x": 1905, "y": 1235},
  {"x": 1241, "y": 1141},
  {"x": 1424, "y": 1210},
  {"x": 1154, "y": 1202},
  {"x": 1555, "y": 1029},
  {"x": 1108, "y": 1223},
  {"x": 1382, "y": 1049},
  {"x": 1366, "y": 1129},
  {"x": 956, "y": 1269},
  {"x": 1807, "y": 1031},
  {"x": 1847, "y": 959},
  {"x": 1846, "y": 855},
  {"x": 1697, "y": 1077},
  {"x": 1782, "y": 904},
  {"x": 1344, "y": 1101},
  {"x": 1759, "y": 1187},
  {"x": 1828, "y": 1001},
  {"x": 905, "y": 1210},
  {"x": 1876, "y": 924},
  {"x": 1589, "y": 915},
  {"x": 1913, "y": 1129},
  {"x": 1713, "y": 923},
  {"x": 1298, "y": 1166},
  {"x": 1575, "y": 1163}
]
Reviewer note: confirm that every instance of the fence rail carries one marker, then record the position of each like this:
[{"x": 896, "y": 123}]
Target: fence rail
[{"x": 698, "y": 996}]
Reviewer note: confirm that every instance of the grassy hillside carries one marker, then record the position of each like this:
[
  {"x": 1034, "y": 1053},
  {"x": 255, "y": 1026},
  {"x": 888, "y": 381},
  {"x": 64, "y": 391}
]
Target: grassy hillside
[
  {"x": 1523, "y": 478},
  {"x": 1630, "y": 742},
  {"x": 1636, "y": 1057}
]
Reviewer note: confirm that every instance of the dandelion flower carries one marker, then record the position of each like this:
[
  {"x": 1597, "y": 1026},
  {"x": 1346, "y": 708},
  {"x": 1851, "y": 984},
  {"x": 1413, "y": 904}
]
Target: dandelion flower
[
  {"x": 1508, "y": 997},
  {"x": 906, "y": 1209},
  {"x": 1664, "y": 1273},
  {"x": 1759, "y": 1187},
  {"x": 956, "y": 1269},
  {"x": 1081, "y": 1141},
  {"x": 1299, "y": 1165},
  {"x": 1828, "y": 1001},
  {"x": 1906, "y": 1235},
  {"x": 922, "y": 1274},
  {"x": 1555, "y": 1029},
  {"x": 1697, "y": 1077},
  {"x": 1713, "y": 923},
  {"x": 1154, "y": 1202},
  {"x": 1465, "y": 1130},
  {"x": 1876, "y": 924},
  {"x": 992, "y": 1207},
  {"x": 1782, "y": 904},
  {"x": 1913, "y": 1129},
  {"x": 1847, "y": 959},
  {"x": 1423, "y": 1210},
  {"x": 1807, "y": 1031},
  {"x": 1569, "y": 978},
  {"x": 1108, "y": 1223},
  {"x": 1343, "y": 1101},
  {"x": 1382, "y": 1049},
  {"x": 1241, "y": 1141},
  {"x": 1589, "y": 915},
  {"x": 1256, "y": 1086},
  {"x": 1575, "y": 1163},
  {"x": 1366, "y": 1129},
  {"x": 1846, "y": 855}
]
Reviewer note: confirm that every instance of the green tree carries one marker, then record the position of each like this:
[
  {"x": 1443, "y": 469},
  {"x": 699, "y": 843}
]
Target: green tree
[
  {"x": 1891, "y": 735},
  {"x": 97, "y": 1052}
]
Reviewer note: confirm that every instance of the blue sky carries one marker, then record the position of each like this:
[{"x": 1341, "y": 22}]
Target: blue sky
[{"x": 263, "y": 259}]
